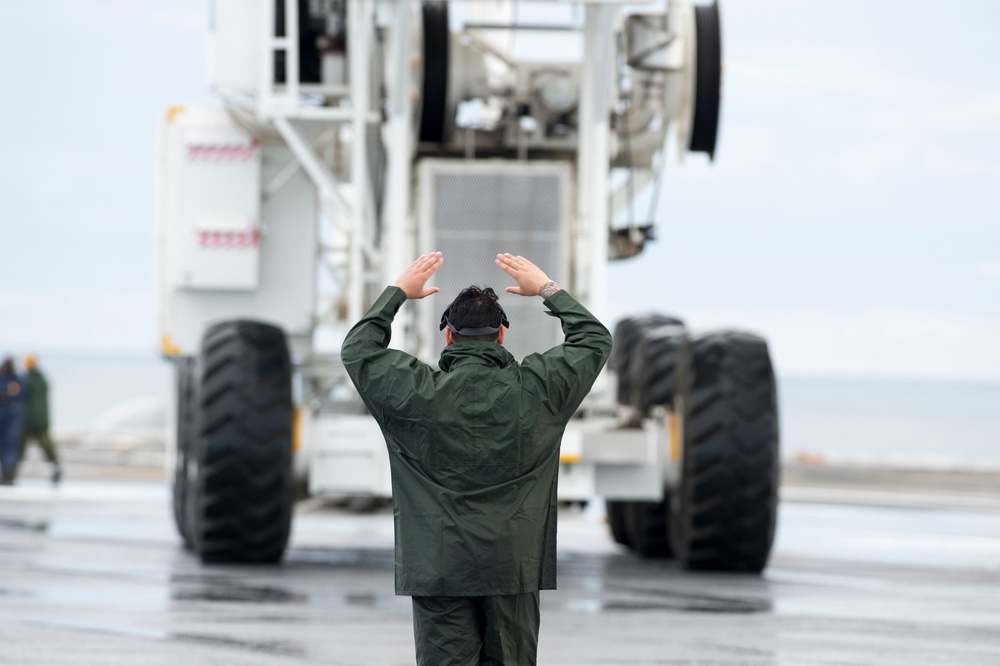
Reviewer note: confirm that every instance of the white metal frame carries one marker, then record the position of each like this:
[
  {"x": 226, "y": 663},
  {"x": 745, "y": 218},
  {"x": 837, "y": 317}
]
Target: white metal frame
[
  {"x": 355, "y": 261},
  {"x": 358, "y": 263}
]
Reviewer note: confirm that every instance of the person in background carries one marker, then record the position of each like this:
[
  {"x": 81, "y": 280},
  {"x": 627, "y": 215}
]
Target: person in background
[
  {"x": 36, "y": 419},
  {"x": 12, "y": 396}
]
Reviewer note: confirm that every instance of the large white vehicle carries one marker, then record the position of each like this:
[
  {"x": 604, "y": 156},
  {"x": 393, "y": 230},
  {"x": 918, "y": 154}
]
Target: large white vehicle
[{"x": 355, "y": 135}]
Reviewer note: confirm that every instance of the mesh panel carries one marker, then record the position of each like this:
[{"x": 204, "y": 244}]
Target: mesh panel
[{"x": 477, "y": 213}]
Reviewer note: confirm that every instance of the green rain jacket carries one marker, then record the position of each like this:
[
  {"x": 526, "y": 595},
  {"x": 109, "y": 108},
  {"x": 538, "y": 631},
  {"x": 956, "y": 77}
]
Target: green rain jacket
[
  {"x": 474, "y": 449},
  {"x": 36, "y": 420}
]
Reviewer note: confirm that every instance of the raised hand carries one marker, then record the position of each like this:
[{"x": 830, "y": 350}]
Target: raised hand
[
  {"x": 413, "y": 279},
  {"x": 531, "y": 280}
]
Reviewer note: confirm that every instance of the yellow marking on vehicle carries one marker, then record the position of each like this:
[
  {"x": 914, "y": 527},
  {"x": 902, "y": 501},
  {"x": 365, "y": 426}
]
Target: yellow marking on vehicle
[
  {"x": 296, "y": 429},
  {"x": 675, "y": 435},
  {"x": 569, "y": 458},
  {"x": 173, "y": 112},
  {"x": 168, "y": 348}
]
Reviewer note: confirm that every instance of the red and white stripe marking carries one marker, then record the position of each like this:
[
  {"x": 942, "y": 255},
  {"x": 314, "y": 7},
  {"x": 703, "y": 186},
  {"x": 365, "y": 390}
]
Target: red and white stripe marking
[
  {"x": 222, "y": 152},
  {"x": 228, "y": 239}
]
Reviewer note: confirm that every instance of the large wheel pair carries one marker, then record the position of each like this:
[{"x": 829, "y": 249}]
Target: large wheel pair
[
  {"x": 233, "y": 486},
  {"x": 723, "y": 514}
]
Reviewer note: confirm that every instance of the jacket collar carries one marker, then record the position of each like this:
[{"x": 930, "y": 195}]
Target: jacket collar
[{"x": 474, "y": 352}]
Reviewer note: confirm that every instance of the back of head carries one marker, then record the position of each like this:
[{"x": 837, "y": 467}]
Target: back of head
[
  {"x": 7, "y": 367},
  {"x": 30, "y": 362},
  {"x": 475, "y": 314}
]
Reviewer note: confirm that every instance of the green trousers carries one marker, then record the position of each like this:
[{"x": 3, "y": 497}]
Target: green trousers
[
  {"x": 476, "y": 631},
  {"x": 44, "y": 441}
]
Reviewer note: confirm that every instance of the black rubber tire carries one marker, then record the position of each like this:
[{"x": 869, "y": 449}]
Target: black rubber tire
[
  {"x": 708, "y": 79},
  {"x": 242, "y": 487},
  {"x": 616, "y": 521},
  {"x": 626, "y": 336},
  {"x": 723, "y": 516},
  {"x": 653, "y": 366},
  {"x": 434, "y": 93},
  {"x": 185, "y": 432},
  {"x": 648, "y": 527}
]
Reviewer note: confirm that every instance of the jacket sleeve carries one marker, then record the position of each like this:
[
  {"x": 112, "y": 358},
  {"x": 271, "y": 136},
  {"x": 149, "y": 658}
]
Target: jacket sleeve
[
  {"x": 564, "y": 375},
  {"x": 385, "y": 378}
]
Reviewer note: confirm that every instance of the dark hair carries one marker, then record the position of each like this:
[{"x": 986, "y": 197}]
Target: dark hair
[
  {"x": 475, "y": 308},
  {"x": 7, "y": 366}
]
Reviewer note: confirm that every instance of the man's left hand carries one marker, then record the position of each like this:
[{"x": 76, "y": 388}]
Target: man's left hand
[{"x": 413, "y": 279}]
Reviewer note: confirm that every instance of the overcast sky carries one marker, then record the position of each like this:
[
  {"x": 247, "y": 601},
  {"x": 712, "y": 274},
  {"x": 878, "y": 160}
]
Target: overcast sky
[{"x": 851, "y": 214}]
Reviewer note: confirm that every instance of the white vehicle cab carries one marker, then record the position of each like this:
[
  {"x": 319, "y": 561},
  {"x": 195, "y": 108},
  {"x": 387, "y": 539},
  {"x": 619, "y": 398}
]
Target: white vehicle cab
[{"x": 354, "y": 136}]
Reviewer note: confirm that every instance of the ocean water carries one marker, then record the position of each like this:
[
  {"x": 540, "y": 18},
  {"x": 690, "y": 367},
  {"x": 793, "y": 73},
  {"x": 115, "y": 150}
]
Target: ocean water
[
  {"x": 907, "y": 423},
  {"x": 85, "y": 390},
  {"x": 833, "y": 420}
]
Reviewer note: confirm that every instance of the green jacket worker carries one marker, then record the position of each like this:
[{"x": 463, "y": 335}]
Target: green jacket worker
[
  {"x": 474, "y": 453},
  {"x": 36, "y": 420}
]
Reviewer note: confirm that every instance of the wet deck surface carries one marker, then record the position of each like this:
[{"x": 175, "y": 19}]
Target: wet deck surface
[{"x": 92, "y": 573}]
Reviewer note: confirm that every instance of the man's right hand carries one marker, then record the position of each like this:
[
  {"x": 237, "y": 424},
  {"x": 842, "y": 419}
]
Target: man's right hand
[
  {"x": 413, "y": 279},
  {"x": 531, "y": 280}
]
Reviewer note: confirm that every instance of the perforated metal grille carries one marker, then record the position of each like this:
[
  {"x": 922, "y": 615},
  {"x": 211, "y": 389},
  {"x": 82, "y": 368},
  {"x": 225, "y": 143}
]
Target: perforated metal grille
[{"x": 477, "y": 213}]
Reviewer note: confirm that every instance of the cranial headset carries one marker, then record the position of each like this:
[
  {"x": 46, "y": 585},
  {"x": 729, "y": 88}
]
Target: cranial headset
[{"x": 474, "y": 332}]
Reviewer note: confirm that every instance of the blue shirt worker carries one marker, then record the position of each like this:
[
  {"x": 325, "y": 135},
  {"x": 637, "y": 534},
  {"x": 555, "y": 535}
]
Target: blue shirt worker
[
  {"x": 474, "y": 453},
  {"x": 12, "y": 396}
]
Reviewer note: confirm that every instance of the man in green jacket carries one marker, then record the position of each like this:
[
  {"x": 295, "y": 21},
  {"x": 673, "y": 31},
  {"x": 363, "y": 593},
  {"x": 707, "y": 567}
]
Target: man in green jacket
[
  {"x": 474, "y": 453},
  {"x": 36, "y": 420}
]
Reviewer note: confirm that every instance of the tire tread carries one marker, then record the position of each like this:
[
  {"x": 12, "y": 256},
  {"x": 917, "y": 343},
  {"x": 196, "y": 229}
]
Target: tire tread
[
  {"x": 724, "y": 515},
  {"x": 244, "y": 493}
]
